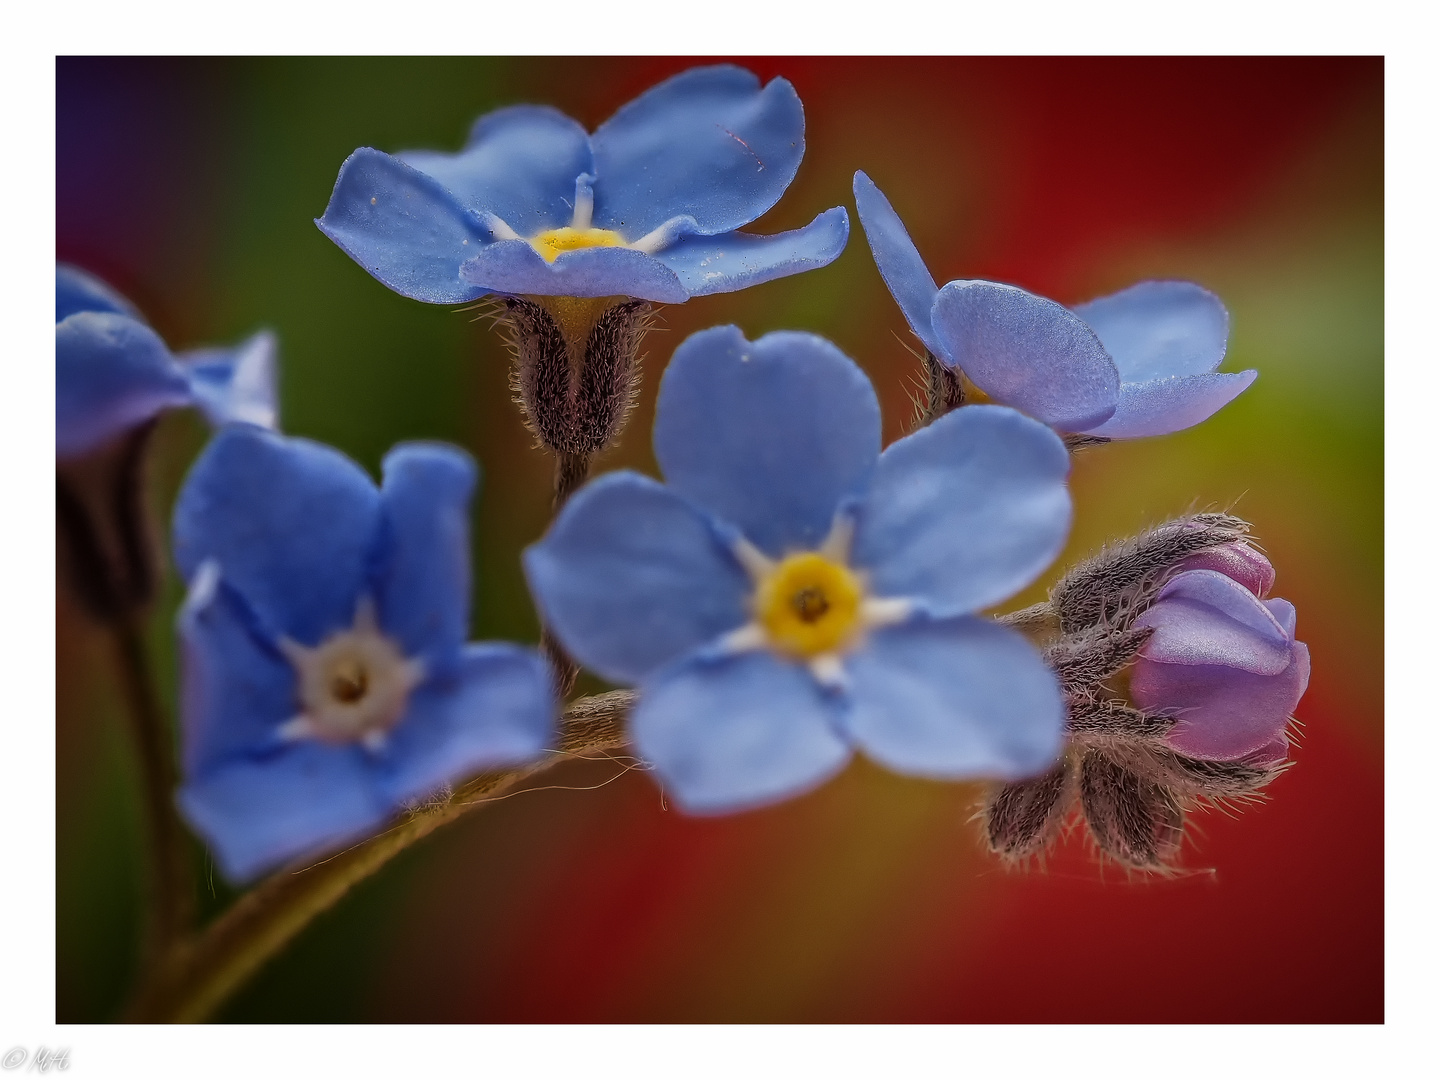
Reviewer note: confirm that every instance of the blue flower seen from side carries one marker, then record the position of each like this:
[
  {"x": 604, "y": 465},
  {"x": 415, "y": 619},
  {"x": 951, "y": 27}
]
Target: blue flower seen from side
[
  {"x": 792, "y": 593},
  {"x": 327, "y": 681},
  {"x": 648, "y": 206},
  {"x": 1140, "y": 362},
  {"x": 113, "y": 373}
]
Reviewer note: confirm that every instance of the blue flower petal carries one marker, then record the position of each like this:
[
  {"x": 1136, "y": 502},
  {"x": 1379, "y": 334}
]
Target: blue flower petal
[
  {"x": 965, "y": 512},
  {"x": 111, "y": 374},
  {"x": 237, "y": 689},
  {"x": 898, "y": 261},
  {"x": 728, "y": 734},
  {"x": 1027, "y": 352},
  {"x": 236, "y": 385},
  {"x": 291, "y": 523},
  {"x": 770, "y": 436},
  {"x": 1161, "y": 406},
  {"x": 513, "y": 266},
  {"x": 75, "y": 290},
  {"x": 630, "y": 577},
  {"x": 708, "y": 143},
  {"x": 422, "y": 567},
  {"x": 720, "y": 264},
  {"x": 520, "y": 165},
  {"x": 954, "y": 699},
  {"x": 1160, "y": 328},
  {"x": 403, "y": 227},
  {"x": 307, "y": 799},
  {"x": 498, "y": 709}
]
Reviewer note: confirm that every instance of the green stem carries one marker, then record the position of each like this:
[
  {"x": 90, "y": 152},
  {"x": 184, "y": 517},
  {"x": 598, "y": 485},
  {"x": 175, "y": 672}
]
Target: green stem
[{"x": 200, "y": 975}]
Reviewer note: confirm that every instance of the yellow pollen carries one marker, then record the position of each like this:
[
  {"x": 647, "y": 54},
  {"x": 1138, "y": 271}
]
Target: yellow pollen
[
  {"x": 348, "y": 681},
  {"x": 809, "y": 605},
  {"x": 552, "y": 242}
]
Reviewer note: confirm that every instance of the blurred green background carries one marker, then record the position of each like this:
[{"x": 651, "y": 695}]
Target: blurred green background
[{"x": 191, "y": 185}]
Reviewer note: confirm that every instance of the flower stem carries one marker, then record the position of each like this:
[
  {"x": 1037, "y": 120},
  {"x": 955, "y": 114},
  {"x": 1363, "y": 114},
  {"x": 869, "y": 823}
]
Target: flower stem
[
  {"x": 198, "y": 976},
  {"x": 943, "y": 389}
]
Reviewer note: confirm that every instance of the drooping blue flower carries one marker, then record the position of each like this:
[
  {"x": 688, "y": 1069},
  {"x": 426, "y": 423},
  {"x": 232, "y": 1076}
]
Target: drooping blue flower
[
  {"x": 113, "y": 373},
  {"x": 648, "y": 206},
  {"x": 792, "y": 593},
  {"x": 327, "y": 682},
  {"x": 1140, "y": 362}
]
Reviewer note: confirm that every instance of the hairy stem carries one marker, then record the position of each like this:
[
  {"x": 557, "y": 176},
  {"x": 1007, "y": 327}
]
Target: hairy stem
[
  {"x": 943, "y": 389},
  {"x": 571, "y": 471},
  {"x": 200, "y": 975}
]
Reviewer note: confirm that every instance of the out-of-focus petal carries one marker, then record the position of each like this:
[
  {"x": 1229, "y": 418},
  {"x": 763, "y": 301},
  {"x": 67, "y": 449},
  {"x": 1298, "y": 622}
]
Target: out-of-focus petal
[
  {"x": 708, "y": 142},
  {"x": 1160, "y": 328},
  {"x": 1237, "y": 561},
  {"x": 954, "y": 699},
  {"x": 1171, "y": 404},
  {"x": 770, "y": 436},
  {"x": 631, "y": 577},
  {"x": 898, "y": 260},
  {"x": 75, "y": 290},
  {"x": 966, "y": 511},
  {"x": 737, "y": 260},
  {"x": 1027, "y": 352},
  {"x": 236, "y": 385},
  {"x": 1202, "y": 617},
  {"x": 291, "y": 523},
  {"x": 514, "y": 267},
  {"x": 731, "y": 733},
  {"x": 404, "y": 228}
]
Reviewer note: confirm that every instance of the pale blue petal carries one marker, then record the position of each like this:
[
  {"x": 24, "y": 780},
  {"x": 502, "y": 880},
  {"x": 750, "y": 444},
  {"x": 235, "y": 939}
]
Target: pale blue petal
[
  {"x": 1165, "y": 405},
  {"x": 403, "y": 227},
  {"x": 630, "y": 577},
  {"x": 708, "y": 143},
  {"x": 953, "y": 700},
  {"x": 1160, "y": 328},
  {"x": 236, "y": 386},
  {"x": 519, "y": 164},
  {"x": 291, "y": 523},
  {"x": 306, "y": 799},
  {"x": 514, "y": 267},
  {"x": 965, "y": 512},
  {"x": 898, "y": 261},
  {"x": 76, "y": 290},
  {"x": 770, "y": 436},
  {"x": 731, "y": 733},
  {"x": 111, "y": 374},
  {"x": 1027, "y": 352},
  {"x": 498, "y": 709},
  {"x": 736, "y": 260},
  {"x": 422, "y": 565}
]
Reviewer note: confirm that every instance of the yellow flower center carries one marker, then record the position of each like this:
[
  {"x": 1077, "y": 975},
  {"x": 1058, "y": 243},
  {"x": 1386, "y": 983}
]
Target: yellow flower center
[
  {"x": 809, "y": 605},
  {"x": 552, "y": 242}
]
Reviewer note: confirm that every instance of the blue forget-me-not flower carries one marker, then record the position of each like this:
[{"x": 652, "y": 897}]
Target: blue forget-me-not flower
[
  {"x": 113, "y": 373},
  {"x": 648, "y": 206},
  {"x": 791, "y": 593},
  {"x": 327, "y": 681},
  {"x": 1140, "y": 362}
]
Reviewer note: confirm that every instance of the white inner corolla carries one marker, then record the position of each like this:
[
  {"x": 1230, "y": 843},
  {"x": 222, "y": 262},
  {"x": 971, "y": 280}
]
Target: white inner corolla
[
  {"x": 353, "y": 686},
  {"x": 552, "y": 243},
  {"x": 811, "y": 606}
]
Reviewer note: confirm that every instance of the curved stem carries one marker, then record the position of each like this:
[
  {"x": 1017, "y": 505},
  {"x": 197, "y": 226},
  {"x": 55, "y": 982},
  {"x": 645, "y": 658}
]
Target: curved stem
[{"x": 200, "y": 975}]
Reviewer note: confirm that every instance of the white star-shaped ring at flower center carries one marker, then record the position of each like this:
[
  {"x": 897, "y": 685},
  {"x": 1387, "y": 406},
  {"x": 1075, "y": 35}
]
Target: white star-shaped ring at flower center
[{"x": 353, "y": 686}]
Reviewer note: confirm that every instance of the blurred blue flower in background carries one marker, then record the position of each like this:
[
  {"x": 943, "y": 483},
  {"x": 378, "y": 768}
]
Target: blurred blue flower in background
[
  {"x": 327, "y": 682},
  {"x": 1140, "y": 362},
  {"x": 793, "y": 592},
  {"x": 648, "y": 206},
  {"x": 113, "y": 373}
]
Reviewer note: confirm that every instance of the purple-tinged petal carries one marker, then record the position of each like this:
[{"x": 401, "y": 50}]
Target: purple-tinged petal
[
  {"x": 708, "y": 143},
  {"x": 731, "y": 733},
  {"x": 770, "y": 436},
  {"x": 966, "y": 511},
  {"x": 1027, "y": 352},
  {"x": 514, "y": 267},
  {"x": 1271, "y": 754},
  {"x": 1237, "y": 561},
  {"x": 954, "y": 699},
  {"x": 1160, "y": 328},
  {"x": 631, "y": 577},
  {"x": 76, "y": 290},
  {"x": 1163, "y": 406},
  {"x": 1284, "y": 613},
  {"x": 898, "y": 261},
  {"x": 1202, "y": 617},
  {"x": 404, "y": 228},
  {"x": 236, "y": 386},
  {"x": 736, "y": 260}
]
